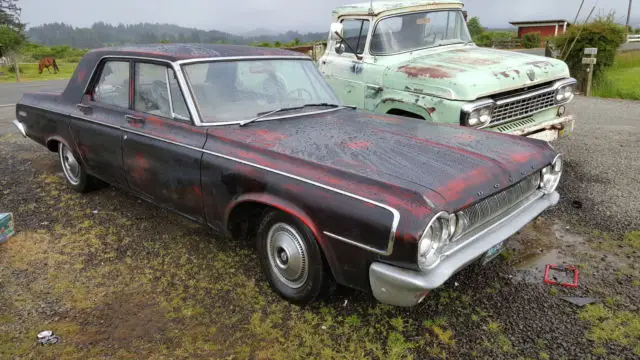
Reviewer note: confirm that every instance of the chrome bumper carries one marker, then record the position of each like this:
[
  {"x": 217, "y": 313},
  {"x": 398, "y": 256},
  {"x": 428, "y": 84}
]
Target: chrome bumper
[
  {"x": 21, "y": 127},
  {"x": 549, "y": 130},
  {"x": 402, "y": 287}
]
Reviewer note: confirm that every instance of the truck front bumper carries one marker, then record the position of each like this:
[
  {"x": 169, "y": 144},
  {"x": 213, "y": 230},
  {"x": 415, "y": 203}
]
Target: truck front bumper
[
  {"x": 402, "y": 287},
  {"x": 549, "y": 130}
]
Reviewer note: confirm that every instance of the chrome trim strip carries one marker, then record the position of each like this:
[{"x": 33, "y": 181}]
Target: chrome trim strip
[
  {"x": 351, "y": 242},
  {"x": 393, "y": 211},
  {"x": 231, "y": 58}
]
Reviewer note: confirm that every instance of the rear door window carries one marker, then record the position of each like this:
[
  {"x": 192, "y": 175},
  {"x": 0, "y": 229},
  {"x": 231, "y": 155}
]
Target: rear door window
[{"x": 113, "y": 85}]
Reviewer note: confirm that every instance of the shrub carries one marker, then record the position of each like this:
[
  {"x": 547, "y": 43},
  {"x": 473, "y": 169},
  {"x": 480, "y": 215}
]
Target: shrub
[
  {"x": 486, "y": 38},
  {"x": 531, "y": 40},
  {"x": 12, "y": 69},
  {"x": 602, "y": 33}
]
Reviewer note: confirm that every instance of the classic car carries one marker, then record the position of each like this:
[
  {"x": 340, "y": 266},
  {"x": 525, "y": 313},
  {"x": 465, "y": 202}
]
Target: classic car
[
  {"x": 416, "y": 58},
  {"x": 253, "y": 143}
]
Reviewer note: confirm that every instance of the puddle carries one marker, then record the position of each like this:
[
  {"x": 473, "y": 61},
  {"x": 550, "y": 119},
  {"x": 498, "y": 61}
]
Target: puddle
[{"x": 544, "y": 242}]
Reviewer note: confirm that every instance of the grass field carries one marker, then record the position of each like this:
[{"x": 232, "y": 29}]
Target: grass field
[
  {"x": 29, "y": 72},
  {"x": 621, "y": 80}
]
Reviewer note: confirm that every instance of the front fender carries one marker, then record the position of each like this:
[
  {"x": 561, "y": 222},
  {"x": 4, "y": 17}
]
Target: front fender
[{"x": 429, "y": 107}]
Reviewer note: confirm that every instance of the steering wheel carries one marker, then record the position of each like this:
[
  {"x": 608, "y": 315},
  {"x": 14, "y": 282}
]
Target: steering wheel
[{"x": 300, "y": 91}]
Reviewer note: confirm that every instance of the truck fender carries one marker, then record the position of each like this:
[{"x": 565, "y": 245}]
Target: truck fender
[{"x": 387, "y": 104}]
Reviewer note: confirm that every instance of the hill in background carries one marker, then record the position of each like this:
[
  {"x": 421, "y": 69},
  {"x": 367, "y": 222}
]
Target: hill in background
[{"x": 103, "y": 34}]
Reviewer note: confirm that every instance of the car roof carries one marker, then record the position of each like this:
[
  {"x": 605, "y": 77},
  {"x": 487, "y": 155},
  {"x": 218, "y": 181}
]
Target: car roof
[
  {"x": 175, "y": 52},
  {"x": 378, "y": 7}
]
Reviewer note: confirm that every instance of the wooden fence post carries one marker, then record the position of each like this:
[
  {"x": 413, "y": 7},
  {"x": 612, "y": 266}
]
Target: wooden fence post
[{"x": 591, "y": 61}]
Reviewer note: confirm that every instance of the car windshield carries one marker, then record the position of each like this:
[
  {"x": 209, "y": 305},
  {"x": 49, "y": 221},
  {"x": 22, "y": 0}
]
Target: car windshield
[
  {"x": 230, "y": 91},
  {"x": 418, "y": 31}
]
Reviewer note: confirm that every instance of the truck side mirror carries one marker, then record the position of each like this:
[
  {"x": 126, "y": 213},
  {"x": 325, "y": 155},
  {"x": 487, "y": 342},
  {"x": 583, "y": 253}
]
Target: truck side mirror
[
  {"x": 339, "y": 49},
  {"x": 336, "y": 31}
]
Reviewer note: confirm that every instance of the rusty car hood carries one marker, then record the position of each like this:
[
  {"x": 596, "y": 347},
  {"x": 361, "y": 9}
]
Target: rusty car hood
[
  {"x": 469, "y": 72},
  {"x": 449, "y": 165}
]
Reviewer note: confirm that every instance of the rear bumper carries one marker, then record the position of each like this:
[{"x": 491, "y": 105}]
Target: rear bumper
[
  {"x": 21, "y": 127},
  {"x": 402, "y": 287}
]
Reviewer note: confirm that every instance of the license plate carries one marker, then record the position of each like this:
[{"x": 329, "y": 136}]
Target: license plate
[
  {"x": 492, "y": 253},
  {"x": 547, "y": 135}
]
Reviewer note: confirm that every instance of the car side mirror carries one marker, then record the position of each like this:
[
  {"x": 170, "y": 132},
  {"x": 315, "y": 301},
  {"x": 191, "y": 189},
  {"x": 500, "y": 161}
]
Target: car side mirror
[
  {"x": 339, "y": 48},
  {"x": 336, "y": 31}
]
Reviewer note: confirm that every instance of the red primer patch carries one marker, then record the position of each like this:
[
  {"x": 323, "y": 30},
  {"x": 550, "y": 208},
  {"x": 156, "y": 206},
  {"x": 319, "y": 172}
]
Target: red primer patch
[
  {"x": 434, "y": 72},
  {"x": 355, "y": 145},
  {"x": 431, "y": 110}
]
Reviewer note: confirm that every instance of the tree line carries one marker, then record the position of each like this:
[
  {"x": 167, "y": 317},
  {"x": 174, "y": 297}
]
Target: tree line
[{"x": 103, "y": 34}]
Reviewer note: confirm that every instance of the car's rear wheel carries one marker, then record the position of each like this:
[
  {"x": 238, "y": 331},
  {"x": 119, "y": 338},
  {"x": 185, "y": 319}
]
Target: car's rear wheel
[
  {"x": 74, "y": 171},
  {"x": 291, "y": 258}
]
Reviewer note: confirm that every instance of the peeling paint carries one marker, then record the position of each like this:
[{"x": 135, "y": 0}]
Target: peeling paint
[{"x": 433, "y": 72}]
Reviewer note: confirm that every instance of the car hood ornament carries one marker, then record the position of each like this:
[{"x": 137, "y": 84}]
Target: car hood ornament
[{"x": 531, "y": 74}]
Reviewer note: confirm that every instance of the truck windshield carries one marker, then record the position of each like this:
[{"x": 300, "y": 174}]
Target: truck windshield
[
  {"x": 419, "y": 30},
  {"x": 231, "y": 91}
]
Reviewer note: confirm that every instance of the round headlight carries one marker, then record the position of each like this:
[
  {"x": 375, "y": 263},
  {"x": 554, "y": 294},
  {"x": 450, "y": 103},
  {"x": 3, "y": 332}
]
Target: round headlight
[
  {"x": 474, "y": 118},
  {"x": 485, "y": 116},
  {"x": 550, "y": 176},
  {"x": 568, "y": 91},
  {"x": 437, "y": 234},
  {"x": 560, "y": 95}
]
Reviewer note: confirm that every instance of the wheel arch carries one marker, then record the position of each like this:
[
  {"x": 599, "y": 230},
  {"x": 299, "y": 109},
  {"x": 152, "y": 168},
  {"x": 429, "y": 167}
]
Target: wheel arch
[{"x": 256, "y": 203}]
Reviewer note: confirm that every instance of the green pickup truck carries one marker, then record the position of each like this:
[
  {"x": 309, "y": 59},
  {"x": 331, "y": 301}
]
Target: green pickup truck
[{"x": 416, "y": 58}]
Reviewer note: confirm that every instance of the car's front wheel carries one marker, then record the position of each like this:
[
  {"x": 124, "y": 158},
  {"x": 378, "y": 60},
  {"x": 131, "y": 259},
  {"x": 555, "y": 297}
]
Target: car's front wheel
[
  {"x": 291, "y": 259},
  {"x": 74, "y": 171}
]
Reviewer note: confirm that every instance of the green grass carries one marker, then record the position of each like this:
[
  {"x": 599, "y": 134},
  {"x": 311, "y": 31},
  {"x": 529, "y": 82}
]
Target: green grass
[
  {"x": 621, "y": 80},
  {"x": 611, "y": 326},
  {"x": 29, "y": 72}
]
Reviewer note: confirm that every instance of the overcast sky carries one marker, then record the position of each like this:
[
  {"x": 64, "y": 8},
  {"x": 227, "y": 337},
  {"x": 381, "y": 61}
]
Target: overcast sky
[{"x": 281, "y": 15}]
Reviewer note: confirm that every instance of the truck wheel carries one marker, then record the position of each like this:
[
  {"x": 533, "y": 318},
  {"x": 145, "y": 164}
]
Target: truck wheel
[
  {"x": 291, "y": 259},
  {"x": 74, "y": 172}
]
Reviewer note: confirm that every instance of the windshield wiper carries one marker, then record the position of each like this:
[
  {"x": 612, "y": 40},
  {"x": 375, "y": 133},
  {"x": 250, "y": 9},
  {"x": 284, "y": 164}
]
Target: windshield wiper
[{"x": 264, "y": 115}]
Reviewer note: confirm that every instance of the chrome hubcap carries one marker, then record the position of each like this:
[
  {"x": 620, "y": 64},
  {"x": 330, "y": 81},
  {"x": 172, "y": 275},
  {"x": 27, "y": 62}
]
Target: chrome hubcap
[
  {"x": 287, "y": 255},
  {"x": 70, "y": 165}
]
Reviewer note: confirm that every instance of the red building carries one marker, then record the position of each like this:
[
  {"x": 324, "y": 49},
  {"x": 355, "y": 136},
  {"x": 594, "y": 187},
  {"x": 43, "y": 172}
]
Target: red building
[{"x": 546, "y": 28}]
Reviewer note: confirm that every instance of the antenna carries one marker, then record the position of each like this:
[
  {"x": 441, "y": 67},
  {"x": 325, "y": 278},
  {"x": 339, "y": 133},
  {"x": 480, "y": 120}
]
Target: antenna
[{"x": 371, "y": 7}]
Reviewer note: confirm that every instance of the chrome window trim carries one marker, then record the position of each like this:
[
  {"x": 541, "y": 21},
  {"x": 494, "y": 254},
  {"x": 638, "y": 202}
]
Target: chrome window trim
[{"x": 232, "y": 58}]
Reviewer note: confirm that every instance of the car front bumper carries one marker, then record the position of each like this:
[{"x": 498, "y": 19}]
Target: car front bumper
[{"x": 403, "y": 287}]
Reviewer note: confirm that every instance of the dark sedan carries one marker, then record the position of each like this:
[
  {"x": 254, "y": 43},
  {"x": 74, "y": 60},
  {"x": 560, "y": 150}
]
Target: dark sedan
[{"x": 253, "y": 143}]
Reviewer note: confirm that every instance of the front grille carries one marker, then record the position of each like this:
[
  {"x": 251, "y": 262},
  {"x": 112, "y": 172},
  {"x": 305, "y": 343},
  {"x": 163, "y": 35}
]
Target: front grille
[
  {"x": 491, "y": 207},
  {"x": 522, "y": 106}
]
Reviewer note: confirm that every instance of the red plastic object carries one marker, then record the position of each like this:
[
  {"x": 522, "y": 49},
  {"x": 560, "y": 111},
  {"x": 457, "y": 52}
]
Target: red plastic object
[{"x": 550, "y": 267}]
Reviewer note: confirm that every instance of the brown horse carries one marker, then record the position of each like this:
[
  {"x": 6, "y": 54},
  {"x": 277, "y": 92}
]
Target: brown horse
[{"x": 45, "y": 62}]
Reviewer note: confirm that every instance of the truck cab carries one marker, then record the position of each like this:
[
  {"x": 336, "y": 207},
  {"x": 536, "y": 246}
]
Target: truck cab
[{"x": 416, "y": 58}]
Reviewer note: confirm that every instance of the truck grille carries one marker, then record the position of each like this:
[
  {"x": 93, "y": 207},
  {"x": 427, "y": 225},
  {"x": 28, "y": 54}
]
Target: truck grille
[
  {"x": 493, "y": 206},
  {"x": 522, "y": 106}
]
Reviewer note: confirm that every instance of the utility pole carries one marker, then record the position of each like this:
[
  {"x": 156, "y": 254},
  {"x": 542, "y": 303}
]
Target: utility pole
[{"x": 629, "y": 14}]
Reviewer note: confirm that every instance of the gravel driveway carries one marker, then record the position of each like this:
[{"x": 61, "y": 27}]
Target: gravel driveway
[{"x": 116, "y": 277}]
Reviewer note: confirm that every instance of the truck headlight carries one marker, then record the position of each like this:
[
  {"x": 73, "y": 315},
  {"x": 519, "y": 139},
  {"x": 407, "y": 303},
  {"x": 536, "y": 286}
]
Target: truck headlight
[
  {"x": 477, "y": 114},
  {"x": 437, "y": 234},
  {"x": 565, "y": 93},
  {"x": 550, "y": 176}
]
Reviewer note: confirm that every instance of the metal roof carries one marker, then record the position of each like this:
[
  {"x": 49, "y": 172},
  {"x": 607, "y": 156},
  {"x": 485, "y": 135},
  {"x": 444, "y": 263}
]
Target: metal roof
[
  {"x": 531, "y": 22},
  {"x": 174, "y": 52}
]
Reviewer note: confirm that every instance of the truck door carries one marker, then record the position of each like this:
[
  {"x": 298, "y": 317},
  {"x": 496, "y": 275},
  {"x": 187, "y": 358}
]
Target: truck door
[{"x": 344, "y": 72}]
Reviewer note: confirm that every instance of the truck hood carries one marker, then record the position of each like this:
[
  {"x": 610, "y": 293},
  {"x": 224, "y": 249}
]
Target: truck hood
[
  {"x": 470, "y": 72},
  {"x": 452, "y": 166}
]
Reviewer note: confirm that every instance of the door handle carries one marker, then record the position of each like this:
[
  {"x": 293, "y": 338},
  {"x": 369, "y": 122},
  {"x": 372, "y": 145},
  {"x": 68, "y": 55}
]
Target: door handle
[
  {"x": 84, "y": 108},
  {"x": 134, "y": 119}
]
